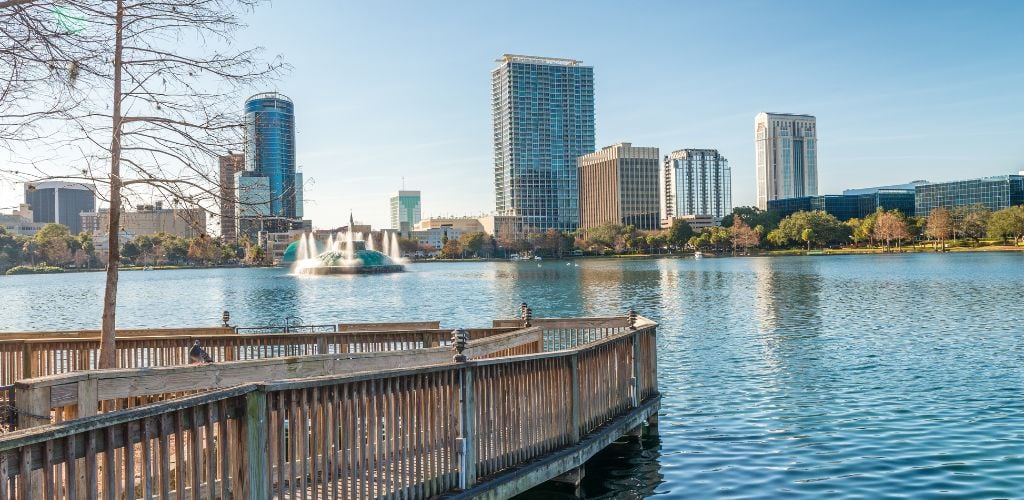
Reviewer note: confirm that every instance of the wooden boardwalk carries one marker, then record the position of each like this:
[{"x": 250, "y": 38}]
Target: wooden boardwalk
[{"x": 529, "y": 404}]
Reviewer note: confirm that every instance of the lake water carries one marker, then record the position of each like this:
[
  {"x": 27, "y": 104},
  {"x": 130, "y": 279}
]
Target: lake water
[{"x": 841, "y": 377}]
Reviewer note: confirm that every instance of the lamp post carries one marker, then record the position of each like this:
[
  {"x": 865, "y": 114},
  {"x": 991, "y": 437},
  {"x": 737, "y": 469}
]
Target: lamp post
[
  {"x": 460, "y": 338},
  {"x": 226, "y": 317}
]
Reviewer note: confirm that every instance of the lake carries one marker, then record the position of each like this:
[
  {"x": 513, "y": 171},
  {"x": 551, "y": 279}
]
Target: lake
[{"x": 839, "y": 376}]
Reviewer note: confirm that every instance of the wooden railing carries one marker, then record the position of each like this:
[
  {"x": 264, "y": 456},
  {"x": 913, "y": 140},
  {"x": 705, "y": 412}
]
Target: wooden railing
[
  {"x": 410, "y": 433},
  {"x": 84, "y": 393},
  {"x": 40, "y": 357}
]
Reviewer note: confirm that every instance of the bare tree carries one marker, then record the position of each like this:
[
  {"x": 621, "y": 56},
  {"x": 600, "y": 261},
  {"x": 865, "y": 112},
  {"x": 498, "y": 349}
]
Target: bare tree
[
  {"x": 742, "y": 235},
  {"x": 939, "y": 225},
  {"x": 142, "y": 96},
  {"x": 890, "y": 226}
]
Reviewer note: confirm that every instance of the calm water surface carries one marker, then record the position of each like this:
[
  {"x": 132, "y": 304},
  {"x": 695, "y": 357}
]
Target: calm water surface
[{"x": 838, "y": 377}]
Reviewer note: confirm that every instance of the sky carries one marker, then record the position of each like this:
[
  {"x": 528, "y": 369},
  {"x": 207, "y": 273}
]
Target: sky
[{"x": 386, "y": 91}]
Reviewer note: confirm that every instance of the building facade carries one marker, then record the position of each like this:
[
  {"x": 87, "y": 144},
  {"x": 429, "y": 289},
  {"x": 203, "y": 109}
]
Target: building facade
[
  {"x": 848, "y": 206},
  {"x": 995, "y": 193},
  {"x": 270, "y": 153},
  {"x": 695, "y": 182},
  {"x": 20, "y": 222},
  {"x": 543, "y": 112},
  {"x": 619, "y": 185},
  {"x": 229, "y": 165},
  {"x": 148, "y": 220},
  {"x": 786, "y": 153},
  {"x": 406, "y": 210},
  {"x": 60, "y": 202}
]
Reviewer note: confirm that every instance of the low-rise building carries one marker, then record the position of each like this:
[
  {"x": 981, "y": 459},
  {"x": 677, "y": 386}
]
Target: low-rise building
[
  {"x": 20, "y": 222},
  {"x": 463, "y": 224},
  {"x": 148, "y": 220},
  {"x": 845, "y": 207},
  {"x": 696, "y": 222},
  {"x": 994, "y": 193}
]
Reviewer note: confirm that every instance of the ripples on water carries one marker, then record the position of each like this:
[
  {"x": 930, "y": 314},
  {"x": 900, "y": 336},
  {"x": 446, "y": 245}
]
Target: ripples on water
[{"x": 852, "y": 376}]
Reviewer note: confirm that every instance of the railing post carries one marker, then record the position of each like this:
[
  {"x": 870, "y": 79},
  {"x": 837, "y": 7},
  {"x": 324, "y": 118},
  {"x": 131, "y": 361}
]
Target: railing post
[
  {"x": 321, "y": 344},
  {"x": 467, "y": 431},
  {"x": 26, "y": 360},
  {"x": 254, "y": 431},
  {"x": 574, "y": 388},
  {"x": 32, "y": 405},
  {"x": 634, "y": 382}
]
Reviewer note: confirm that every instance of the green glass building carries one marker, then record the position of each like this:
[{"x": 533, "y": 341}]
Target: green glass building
[
  {"x": 995, "y": 193},
  {"x": 405, "y": 211}
]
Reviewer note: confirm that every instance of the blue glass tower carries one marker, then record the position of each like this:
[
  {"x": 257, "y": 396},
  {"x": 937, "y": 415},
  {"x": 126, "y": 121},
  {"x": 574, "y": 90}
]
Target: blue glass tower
[
  {"x": 270, "y": 149},
  {"x": 543, "y": 110}
]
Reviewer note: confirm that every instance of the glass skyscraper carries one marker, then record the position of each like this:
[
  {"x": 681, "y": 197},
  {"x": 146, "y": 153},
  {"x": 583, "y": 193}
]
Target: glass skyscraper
[
  {"x": 786, "y": 148},
  {"x": 405, "y": 211},
  {"x": 695, "y": 182},
  {"x": 543, "y": 110},
  {"x": 270, "y": 150},
  {"x": 60, "y": 202}
]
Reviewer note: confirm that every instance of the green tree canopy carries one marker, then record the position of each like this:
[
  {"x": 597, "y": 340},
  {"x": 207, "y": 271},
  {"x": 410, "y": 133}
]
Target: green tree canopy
[
  {"x": 813, "y": 228},
  {"x": 1007, "y": 223}
]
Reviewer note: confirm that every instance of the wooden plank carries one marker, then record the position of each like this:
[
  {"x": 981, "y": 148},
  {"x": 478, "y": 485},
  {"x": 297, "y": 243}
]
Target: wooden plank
[
  {"x": 255, "y": 431},
  {"x": 381, "y": 327}
]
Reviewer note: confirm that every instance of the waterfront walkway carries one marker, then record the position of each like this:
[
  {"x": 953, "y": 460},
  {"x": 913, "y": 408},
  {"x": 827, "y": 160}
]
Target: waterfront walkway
[{"x": 385, "y": 413}]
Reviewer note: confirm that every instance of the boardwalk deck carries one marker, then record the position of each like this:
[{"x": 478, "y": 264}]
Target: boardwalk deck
[{"x": 481, "y": 428}]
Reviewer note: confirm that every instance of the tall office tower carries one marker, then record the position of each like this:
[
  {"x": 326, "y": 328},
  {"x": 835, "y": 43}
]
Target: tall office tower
[
  {"x": 619, "y": 185},
  {"x": 787, "y": 156},
  {"x": 695, "y": 182},
  {"x": 60, "y": 202},
  {"x": 543, "y": 110},
  {"x": 270, "y": 153},
  {"x": 230, "y": 165},
  {"x": 405, "y": 211}
]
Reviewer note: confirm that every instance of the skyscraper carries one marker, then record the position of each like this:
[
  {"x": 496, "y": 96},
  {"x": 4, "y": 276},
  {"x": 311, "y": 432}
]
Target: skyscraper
[
  {"x": 619, "y": 185},
  {"x": 543, "y": 110},
  {"x": 60, "y": 202},
  {"x": 229, "y": 165},
  {"x": 787, "y": 156},
  {"x": 696, "y": 182},
  {"x": 405, "y": 211},
  {"x": 270, "y": 153}
]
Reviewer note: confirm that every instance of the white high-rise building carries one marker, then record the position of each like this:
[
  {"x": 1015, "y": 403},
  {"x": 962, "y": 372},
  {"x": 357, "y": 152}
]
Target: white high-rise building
[
  {"x": 787, "y": 156},
  {"x": 695, "y": 182}
]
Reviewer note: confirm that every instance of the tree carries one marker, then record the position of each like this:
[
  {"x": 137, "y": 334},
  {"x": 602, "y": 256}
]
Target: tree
[
  {"x": 891, "y": 226},
  {"x": 116, "y": 80},
  {"x": 972, "y": 221},
  {"x": 472, "y": 243},
  {"x": 939, "y": 225},
  {"x": 10, "y": 248},
  {"x": 54, "y": 246},
  {"x": 754, "y": 217},
  {"x": 742, "y": 235},
  {"x": 605, "y": 235},
  {"x": 679, "y": 233},
  {"x": 1007, "y": 223},
  {"x": 812, "y": 228},
  {"x": 451, "y": 250}
]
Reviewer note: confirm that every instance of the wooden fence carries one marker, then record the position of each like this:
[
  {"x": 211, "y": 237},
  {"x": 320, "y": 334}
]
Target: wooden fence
[
  {"x": 402, "y": 433},
  {"x": 77, "y": 394},
  {"x": 40, "y": 357}
]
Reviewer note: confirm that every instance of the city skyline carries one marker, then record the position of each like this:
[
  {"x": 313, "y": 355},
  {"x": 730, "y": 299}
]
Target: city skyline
[{"x": 890, "y": 86}]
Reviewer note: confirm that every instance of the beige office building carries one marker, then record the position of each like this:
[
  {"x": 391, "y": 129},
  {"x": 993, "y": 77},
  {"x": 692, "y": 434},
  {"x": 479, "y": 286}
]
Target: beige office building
[
  {"x": 229, "y": 166},
  {"x": 786, "y": 148},
  {"x": 149, "y": 220},
  {"x": 619, "y": 185}
]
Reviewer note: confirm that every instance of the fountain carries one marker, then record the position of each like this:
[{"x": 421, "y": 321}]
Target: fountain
[{"x": 344, "y": 256}]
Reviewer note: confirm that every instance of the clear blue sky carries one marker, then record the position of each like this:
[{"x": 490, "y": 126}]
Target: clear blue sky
[{"x": 901, "y": 90}]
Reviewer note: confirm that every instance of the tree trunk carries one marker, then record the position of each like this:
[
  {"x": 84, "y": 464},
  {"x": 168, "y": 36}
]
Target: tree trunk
[{"x": 107, "y": 357}]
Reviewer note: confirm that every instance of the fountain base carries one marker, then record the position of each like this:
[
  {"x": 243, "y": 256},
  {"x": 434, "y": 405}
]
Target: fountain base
[{"x": 324, "y": 270}]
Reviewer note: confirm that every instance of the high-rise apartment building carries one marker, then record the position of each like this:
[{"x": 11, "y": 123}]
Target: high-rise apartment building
[
  {"x": 543, "y": 110},
  {"x": 405, "y": 211},
  {"x": 270, "y": 153},
  {"x": 230, "y": 165},
  {"x": 619, "y": 185},
  {"x": 786, "y": 148},
  {"x": 695, "y": 182},
  {"x": 60, "y": 202}
]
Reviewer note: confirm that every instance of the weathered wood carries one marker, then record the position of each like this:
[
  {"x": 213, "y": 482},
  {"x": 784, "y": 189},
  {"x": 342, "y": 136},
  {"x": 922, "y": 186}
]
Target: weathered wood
[
  {"x": 254, "y": 426},
  {"x": 379, "y": 327}
]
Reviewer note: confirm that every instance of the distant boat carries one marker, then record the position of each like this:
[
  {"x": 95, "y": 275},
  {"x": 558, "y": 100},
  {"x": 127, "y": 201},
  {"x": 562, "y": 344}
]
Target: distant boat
[{"x": 698, "y": 255}]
